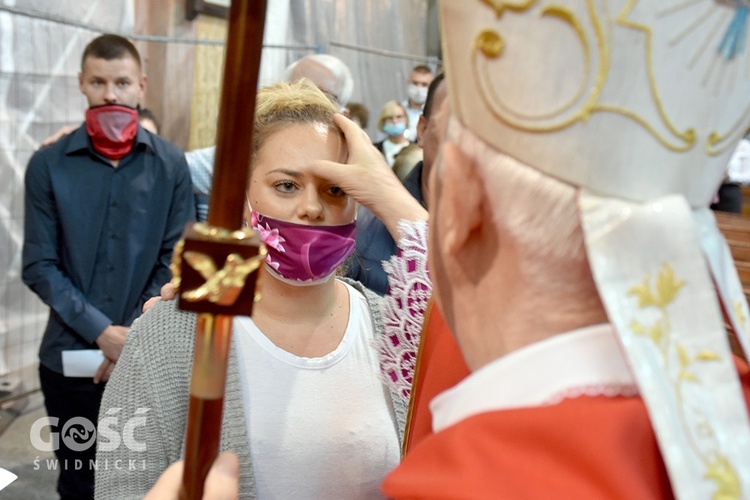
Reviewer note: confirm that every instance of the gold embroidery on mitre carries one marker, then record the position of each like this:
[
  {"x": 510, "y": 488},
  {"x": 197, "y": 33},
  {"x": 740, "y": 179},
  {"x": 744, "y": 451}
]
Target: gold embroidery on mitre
[
  {"x": 727, "y": 139},
  {"x": 688, "y": 136},
  {"x": 718, "y": 468},
  {"x": 481, "y": 41},
  {"x": 739, "y": 311},
  {"x": 500, "y": 5},
  {"x": 490, "y": 43},
  {"x": 503, "y": 111},
  {"x": 524, "y": 121}
]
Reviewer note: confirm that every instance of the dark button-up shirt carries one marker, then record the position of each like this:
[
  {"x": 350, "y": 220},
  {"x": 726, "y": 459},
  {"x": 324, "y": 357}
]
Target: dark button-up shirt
[
  {"x": 98, "y": 239},
  {"x": 374, "y": 243}
]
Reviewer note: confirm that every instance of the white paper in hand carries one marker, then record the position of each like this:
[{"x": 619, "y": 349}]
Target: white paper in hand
[{"x": 81, "y": 363}]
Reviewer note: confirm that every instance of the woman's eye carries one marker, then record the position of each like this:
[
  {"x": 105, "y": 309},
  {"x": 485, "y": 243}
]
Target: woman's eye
[
  {"x": 285, "y": 186},
  {"x": 336, "y": 191}
]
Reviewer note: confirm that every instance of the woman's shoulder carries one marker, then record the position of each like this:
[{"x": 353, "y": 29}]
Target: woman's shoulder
[
  {"x": 164, "y": 331},
  {"x": 373, "y": 300},
  {"x": 158, "y": 353}
]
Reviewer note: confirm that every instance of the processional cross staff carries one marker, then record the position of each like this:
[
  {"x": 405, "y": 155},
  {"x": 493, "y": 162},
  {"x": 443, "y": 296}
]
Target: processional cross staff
[{"x": 214, "y": 266}]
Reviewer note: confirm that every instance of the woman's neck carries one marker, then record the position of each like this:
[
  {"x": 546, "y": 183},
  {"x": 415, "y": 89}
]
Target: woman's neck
[
  {"x": 304, "y": 320},
  {"x": 278, "y": 298},
  {"x": 399, "y": 139}
]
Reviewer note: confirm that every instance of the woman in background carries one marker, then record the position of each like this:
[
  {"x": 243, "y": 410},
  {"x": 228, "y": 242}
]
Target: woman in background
[{"x": 393, "y": 122}]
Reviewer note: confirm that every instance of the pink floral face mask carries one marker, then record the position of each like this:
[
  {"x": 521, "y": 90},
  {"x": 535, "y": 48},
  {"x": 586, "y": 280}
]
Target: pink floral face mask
[{"x": 304, "y": 255}]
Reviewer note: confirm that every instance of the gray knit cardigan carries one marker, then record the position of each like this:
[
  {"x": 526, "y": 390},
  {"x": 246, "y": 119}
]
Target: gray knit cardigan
[{"x": 153, "y": 373}]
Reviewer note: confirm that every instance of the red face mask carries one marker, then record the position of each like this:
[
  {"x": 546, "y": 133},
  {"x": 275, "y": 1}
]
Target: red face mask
[{"x": 112, "y": 128}]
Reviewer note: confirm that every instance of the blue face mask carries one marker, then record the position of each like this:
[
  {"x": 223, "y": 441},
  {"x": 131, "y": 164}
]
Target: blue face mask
[{"x": 393, "y": 129}]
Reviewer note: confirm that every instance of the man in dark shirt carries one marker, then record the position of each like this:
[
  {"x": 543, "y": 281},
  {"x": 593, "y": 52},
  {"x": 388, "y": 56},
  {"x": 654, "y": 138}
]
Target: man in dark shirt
[
  {"x": 104, "y": 207},
  {"x": 374, "y": 243}
]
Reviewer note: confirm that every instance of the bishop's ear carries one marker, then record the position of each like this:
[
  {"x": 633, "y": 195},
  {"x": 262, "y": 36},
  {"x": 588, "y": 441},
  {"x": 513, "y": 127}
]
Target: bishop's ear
[{"x": 461, "y": 199}]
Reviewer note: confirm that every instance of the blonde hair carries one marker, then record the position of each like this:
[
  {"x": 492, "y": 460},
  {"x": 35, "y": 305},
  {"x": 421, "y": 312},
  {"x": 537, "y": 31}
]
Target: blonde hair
[
  {"x": 538, "y": 211},
  {"x": 284, "y": 104},
  {"x": 388, "y": 110}
]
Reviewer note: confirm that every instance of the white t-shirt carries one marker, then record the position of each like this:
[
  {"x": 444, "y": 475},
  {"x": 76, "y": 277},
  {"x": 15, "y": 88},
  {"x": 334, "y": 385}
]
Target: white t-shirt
[
  {"x": 414, "y": 114},
  {"x": 318, "y": 427}
]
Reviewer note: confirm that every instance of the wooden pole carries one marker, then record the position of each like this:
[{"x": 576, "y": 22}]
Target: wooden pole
[{"x": 216, "y": 261}]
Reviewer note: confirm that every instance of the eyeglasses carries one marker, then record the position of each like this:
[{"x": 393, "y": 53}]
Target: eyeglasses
[{"x": 333, "y": 97}]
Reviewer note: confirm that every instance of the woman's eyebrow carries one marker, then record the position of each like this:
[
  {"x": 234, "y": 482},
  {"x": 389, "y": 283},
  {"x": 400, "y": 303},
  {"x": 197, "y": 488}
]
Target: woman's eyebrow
[{"x": 285, "y": 171}]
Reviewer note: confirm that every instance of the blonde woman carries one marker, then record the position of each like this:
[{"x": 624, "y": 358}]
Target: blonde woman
[
  {"x": 305, "y": 409},
  {"x": 393, "y": 122}
]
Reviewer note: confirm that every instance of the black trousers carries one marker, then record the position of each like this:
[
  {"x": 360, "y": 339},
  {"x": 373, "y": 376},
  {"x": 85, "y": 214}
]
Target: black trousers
[{"x": 75, "y": 403}]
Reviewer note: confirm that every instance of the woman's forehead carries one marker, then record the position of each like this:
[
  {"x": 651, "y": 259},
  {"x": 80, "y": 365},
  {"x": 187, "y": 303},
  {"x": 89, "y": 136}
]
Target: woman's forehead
[{"x": 298, "y": 145}]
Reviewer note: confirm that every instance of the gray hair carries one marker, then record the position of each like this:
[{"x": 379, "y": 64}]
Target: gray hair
[
  {"x": 341, "y": 85},
  {"x": 539, "y": 211}
]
